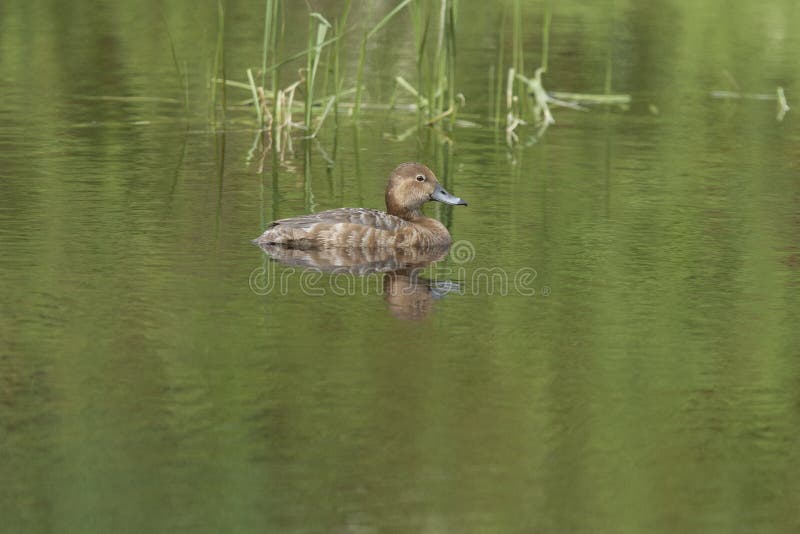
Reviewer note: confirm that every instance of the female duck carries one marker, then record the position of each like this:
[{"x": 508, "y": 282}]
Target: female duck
[{"x": 410, "y": 186}]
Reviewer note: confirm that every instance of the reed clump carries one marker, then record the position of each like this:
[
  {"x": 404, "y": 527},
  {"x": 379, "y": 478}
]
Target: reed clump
[
  {"x": 301, "y": 107},
  {"x": 527, "y": 100}
]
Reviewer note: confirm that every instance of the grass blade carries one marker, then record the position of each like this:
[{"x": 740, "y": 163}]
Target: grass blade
[{"x": 385, "y": 20}]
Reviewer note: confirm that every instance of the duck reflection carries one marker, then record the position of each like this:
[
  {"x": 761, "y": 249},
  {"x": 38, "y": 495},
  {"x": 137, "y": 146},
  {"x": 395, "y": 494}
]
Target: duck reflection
[{"x": 408, "y": 295}]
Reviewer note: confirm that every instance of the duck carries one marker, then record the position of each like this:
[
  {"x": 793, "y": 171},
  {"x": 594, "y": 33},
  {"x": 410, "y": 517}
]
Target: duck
[{"x": 402, "y": 225}]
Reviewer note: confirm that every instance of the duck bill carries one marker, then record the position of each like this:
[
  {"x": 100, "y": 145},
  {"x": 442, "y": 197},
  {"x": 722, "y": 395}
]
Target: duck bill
[{"x": 440, "y": 195}]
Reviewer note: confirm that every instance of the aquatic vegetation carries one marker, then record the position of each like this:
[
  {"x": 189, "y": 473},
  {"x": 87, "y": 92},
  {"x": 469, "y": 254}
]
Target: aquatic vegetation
[
  {"x": 218, "y": 70},
  {"x": 516, "y": 92},
  {"x": 181, "y": 72},
  {"x": 779, "y": 97},
  {"x": 436, "y": 96},
  {"x": 534, "y": 106},
  {"x": 317, "y": 30},
  {"x": 436, "y": 99}
]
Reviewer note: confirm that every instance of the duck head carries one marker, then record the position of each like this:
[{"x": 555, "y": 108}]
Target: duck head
[{"x": 410, "y": 186}]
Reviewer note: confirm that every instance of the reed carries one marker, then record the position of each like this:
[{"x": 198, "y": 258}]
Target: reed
[
  {"x": 436, "y": 95},
  {"x": 610, "y": 51},
  {"x": 514, "y": 94},
  {"x": 363, "y": 51},
  {"x": 326, "y": 70},
  {"x": 276, "y": 35},
  {"x": 499, "y": 70},
  {"x": 517, "y": 47},
  {"x": 779, "y": 97},
  {"x": 219, "y": 63},
  {"x": 270, "y": 32},
  {"x": 450, "y": 58},
  {"x": 182, "y": 74},
  {"x": 533, "y": 90},
  {"x": 436, "y": 79},
  {"x": 362, "y": 54},
  {"x": 548, "y": 14},
  {"x": 338, "y": 28},
  {"x": 421, "y": 20},
  {"x": 269, "y": 51},
  {"x": 444, "y": 61},
  {"x": 256, "y": 100},
  {"x": 316, "y": 40},
  {"x": 337, "y": 67}
]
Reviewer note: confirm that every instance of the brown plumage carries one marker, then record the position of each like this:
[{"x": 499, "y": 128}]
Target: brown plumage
[{"x": 410, "y": 186}]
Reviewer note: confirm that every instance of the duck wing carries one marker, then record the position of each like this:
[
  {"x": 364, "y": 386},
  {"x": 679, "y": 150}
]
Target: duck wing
[
  {"x": 354, "y": 227},
  {"x": 363, "y": 216}
]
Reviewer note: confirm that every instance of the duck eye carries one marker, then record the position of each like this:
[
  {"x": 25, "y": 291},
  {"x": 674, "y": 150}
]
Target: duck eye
[{"x": 420, "y": 178}]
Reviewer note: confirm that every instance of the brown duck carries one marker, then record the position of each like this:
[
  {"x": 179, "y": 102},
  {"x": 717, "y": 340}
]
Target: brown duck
[{"x": 410, "y": 186}]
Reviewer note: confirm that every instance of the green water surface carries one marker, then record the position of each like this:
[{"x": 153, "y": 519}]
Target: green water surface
[{"x": 647, "y": 378}]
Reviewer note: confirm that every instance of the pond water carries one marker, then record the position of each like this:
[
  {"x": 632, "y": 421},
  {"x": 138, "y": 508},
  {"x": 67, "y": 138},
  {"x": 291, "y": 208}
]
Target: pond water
[{"x": 611, "y": 346}]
